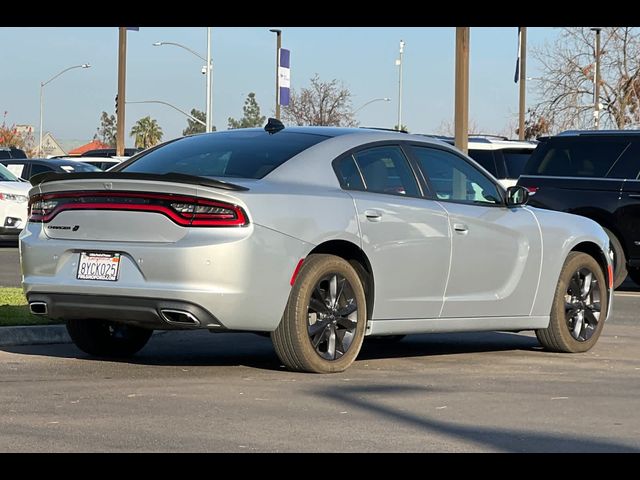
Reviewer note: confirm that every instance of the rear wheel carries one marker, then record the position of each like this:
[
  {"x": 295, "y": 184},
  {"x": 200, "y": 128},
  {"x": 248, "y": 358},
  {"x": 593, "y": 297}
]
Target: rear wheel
[
  {"x": 324, "y": 322},
  {"x": 107, "y": 339},
  {"x": 619, "y": 259},
  {"x": 579, "y": 306}
]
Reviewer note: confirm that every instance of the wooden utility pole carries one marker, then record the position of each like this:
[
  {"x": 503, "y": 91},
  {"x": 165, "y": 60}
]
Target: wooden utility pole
[
  {"x": 461, "y": 117},
  {"x": 122, "y": 75},
  {"x": 523, "y": 80}
]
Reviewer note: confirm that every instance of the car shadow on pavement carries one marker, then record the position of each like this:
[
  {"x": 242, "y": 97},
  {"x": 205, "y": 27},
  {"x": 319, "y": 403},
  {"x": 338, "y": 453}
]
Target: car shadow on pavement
[
  {"x": 376, "y": 399},
  {"x": 200, "y": 348}
]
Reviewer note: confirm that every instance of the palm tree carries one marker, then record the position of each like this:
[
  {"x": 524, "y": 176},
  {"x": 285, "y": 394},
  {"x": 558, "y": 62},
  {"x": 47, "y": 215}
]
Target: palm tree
[{"x": 147, "y": 132}]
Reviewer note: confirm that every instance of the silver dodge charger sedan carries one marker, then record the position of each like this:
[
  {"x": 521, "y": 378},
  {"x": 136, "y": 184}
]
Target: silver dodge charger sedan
[{"x": 318, "y": 236}]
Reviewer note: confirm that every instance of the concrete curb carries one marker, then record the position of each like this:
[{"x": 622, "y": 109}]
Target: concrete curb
[{"x": 33, "y": 335}]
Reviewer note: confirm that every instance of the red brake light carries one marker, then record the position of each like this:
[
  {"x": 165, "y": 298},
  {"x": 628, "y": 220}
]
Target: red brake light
[
  {"x": 184, "y": 210},
  {"x": 532, "y": 190}
]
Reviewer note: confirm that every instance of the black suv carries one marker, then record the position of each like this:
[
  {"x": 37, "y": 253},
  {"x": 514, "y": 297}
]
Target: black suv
[
  {"x": 593, "y": 174},
  {"x": 12, "y": 152}
]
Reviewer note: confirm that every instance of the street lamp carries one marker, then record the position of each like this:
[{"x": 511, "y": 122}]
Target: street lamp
[
  {"x": 385, "y": 99},
  {"x": 278, "y": 47},
  {"x": 206, "y": 69},
  {"x": 399, "y": 64},
  {"x": 42, "y": 84},
  {"x": 172, "y": 106},
  {"x": 596, "y": 81}
]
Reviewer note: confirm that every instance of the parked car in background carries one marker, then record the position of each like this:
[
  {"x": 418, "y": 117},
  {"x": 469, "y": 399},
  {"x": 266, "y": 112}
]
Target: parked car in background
[
  {"x": 28, "y": 167},
  {"x": 319, "y": 236},
  {"x": 12, "y": 152},
  {"x": 103, "y": 163},
  {"x": 14, "y": 194},
  {"x": 593, "y": 174},
  {"x": 111, "y": 152},
  {"x": 503, "y": 158}
]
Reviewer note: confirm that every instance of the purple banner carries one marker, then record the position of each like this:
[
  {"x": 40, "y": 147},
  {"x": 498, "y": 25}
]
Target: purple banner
[{"x": 284, "y": 96}]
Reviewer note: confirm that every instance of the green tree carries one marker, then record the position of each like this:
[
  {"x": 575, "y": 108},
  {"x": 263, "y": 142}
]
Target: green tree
[
  {"x": 194, "y": 127},
  {"x": 106, "y": 132},
  {"x": 403, "y": 127},
  {"x": 323, "y": 103},
  {"x": 147, "y": 132},
  {"x": 251, "y": 117}
]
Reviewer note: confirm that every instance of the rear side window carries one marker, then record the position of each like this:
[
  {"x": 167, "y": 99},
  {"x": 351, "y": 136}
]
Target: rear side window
[
  {"x": 386, "y": 170},
  {"x": 578, "y": 156},
  {"x": 37, "y": 168},
  {"x": 240, "y": 154},
  {"x": 348, "y": 174},
  {"x": 628, "y": 165}
]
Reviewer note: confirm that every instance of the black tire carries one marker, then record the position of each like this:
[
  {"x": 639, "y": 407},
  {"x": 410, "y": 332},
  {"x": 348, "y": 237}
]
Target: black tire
[
  {"x": 383, "y": 339},
  {"x": 619, "y": 259},
  {"x": 107, "y": 339},
  {"x": 576, "y": 319},
  {"x": 324, "y": 322},
  {"x": 634, "y": 273}
]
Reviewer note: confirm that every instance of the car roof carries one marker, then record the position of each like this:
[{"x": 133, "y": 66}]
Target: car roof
[
  {"x": 575, "y": 133},
  {"x": 488, "y": 142}
]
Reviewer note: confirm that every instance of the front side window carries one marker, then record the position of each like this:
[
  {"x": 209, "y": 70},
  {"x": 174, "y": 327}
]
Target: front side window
[
  {"x": 455, "y": 179},
  {"x": 386, "y": 170}
]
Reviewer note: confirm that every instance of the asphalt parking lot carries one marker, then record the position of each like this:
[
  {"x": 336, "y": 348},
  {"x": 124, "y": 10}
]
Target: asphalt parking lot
[{"x": 195, "y": 391}]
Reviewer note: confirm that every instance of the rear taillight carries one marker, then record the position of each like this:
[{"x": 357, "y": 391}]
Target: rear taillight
[
  {"x": 532, "y": 190},
  {"x": 184, "y": 210}
]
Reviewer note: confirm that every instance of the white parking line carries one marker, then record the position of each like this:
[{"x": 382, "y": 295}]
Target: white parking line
[{"x": 626, "y": 294}]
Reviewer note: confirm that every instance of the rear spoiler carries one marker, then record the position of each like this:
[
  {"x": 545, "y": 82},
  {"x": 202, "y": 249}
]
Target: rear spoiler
[{"x": 47, "y": 177}]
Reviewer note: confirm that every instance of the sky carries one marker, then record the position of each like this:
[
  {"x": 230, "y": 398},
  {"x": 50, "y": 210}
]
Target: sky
[{"x": 363, "y": 58}]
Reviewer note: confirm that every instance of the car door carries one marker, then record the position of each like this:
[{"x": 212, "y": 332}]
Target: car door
[
  {"x": 627, "y": 209},
  {"x": 496, "y": 251},
  {"x": 405, "y": 236}
]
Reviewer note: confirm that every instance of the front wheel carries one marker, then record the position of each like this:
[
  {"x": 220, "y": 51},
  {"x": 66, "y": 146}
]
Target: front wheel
[
  {"x": 324, "y": 322},
  {"x": 579, "y": 306},
  {"x": 107, "y": 339}
]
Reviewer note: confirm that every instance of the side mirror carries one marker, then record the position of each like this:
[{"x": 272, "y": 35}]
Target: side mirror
[{"x": 516, "y": 196}]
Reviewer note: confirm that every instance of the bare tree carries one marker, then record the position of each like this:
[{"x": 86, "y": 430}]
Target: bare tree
[
  {"x": 566, "y": 87},
  {"x": 323, "y": 103}
]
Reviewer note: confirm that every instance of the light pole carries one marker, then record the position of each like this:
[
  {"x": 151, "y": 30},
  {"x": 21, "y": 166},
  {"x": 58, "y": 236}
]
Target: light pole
[
  {"x": 385, "y": 99},
  {"x": 207, "y": 67},
  {"x": 42, "y": 84},
  {"x": 278, "y": 47},
  {"x": 596, "y": 81},
  {"x": 172, "y": 106},
  {"x": 523, "y": 81},
  {"x": 399, "y": 64}
]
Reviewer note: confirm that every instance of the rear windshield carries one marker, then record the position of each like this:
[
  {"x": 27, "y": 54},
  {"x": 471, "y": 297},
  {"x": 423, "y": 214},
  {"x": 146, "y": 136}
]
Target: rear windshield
[
  {"x": 579, "y": 156},
  {"x": 6, "y": 175},
  {"x": 515, "y": 161},
  {"x": 236, "y": 153}
]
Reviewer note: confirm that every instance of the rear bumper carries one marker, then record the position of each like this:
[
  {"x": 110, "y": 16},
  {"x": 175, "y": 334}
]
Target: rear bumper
[
  {"x": 238, "y": 278},
  {"x": 142, "y": 312}
]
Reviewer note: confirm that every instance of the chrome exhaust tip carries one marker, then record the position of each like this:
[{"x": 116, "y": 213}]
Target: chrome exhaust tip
[
  {"x": 179, "y": 317},
  {"x": 38, "y": 308}
]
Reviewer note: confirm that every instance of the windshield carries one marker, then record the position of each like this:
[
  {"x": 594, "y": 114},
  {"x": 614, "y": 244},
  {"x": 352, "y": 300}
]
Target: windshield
[
  {"x": 6, "y": 175},
  {"x": 235, "y": 153}
]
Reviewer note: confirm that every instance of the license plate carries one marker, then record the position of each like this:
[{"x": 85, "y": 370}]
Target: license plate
[{"x": 98, "y": 266}]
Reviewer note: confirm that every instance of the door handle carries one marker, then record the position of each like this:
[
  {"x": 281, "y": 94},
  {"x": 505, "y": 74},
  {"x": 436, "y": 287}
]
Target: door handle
[
  {"x": 373, "y": 215},
  {"x": 461, "y": 228}
]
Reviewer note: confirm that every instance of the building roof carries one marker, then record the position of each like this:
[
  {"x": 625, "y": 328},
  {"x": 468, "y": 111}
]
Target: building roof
[{"x": 92, "y": 145}]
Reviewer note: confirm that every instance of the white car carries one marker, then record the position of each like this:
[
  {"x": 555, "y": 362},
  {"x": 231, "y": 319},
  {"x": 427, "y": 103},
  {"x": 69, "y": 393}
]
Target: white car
[
  {"x": 14, "y": 194},
  {"x": 503, "y": 158}
]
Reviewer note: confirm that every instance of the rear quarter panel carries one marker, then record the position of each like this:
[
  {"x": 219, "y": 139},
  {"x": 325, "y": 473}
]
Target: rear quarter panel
[{"x": 561, "y": 232}]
